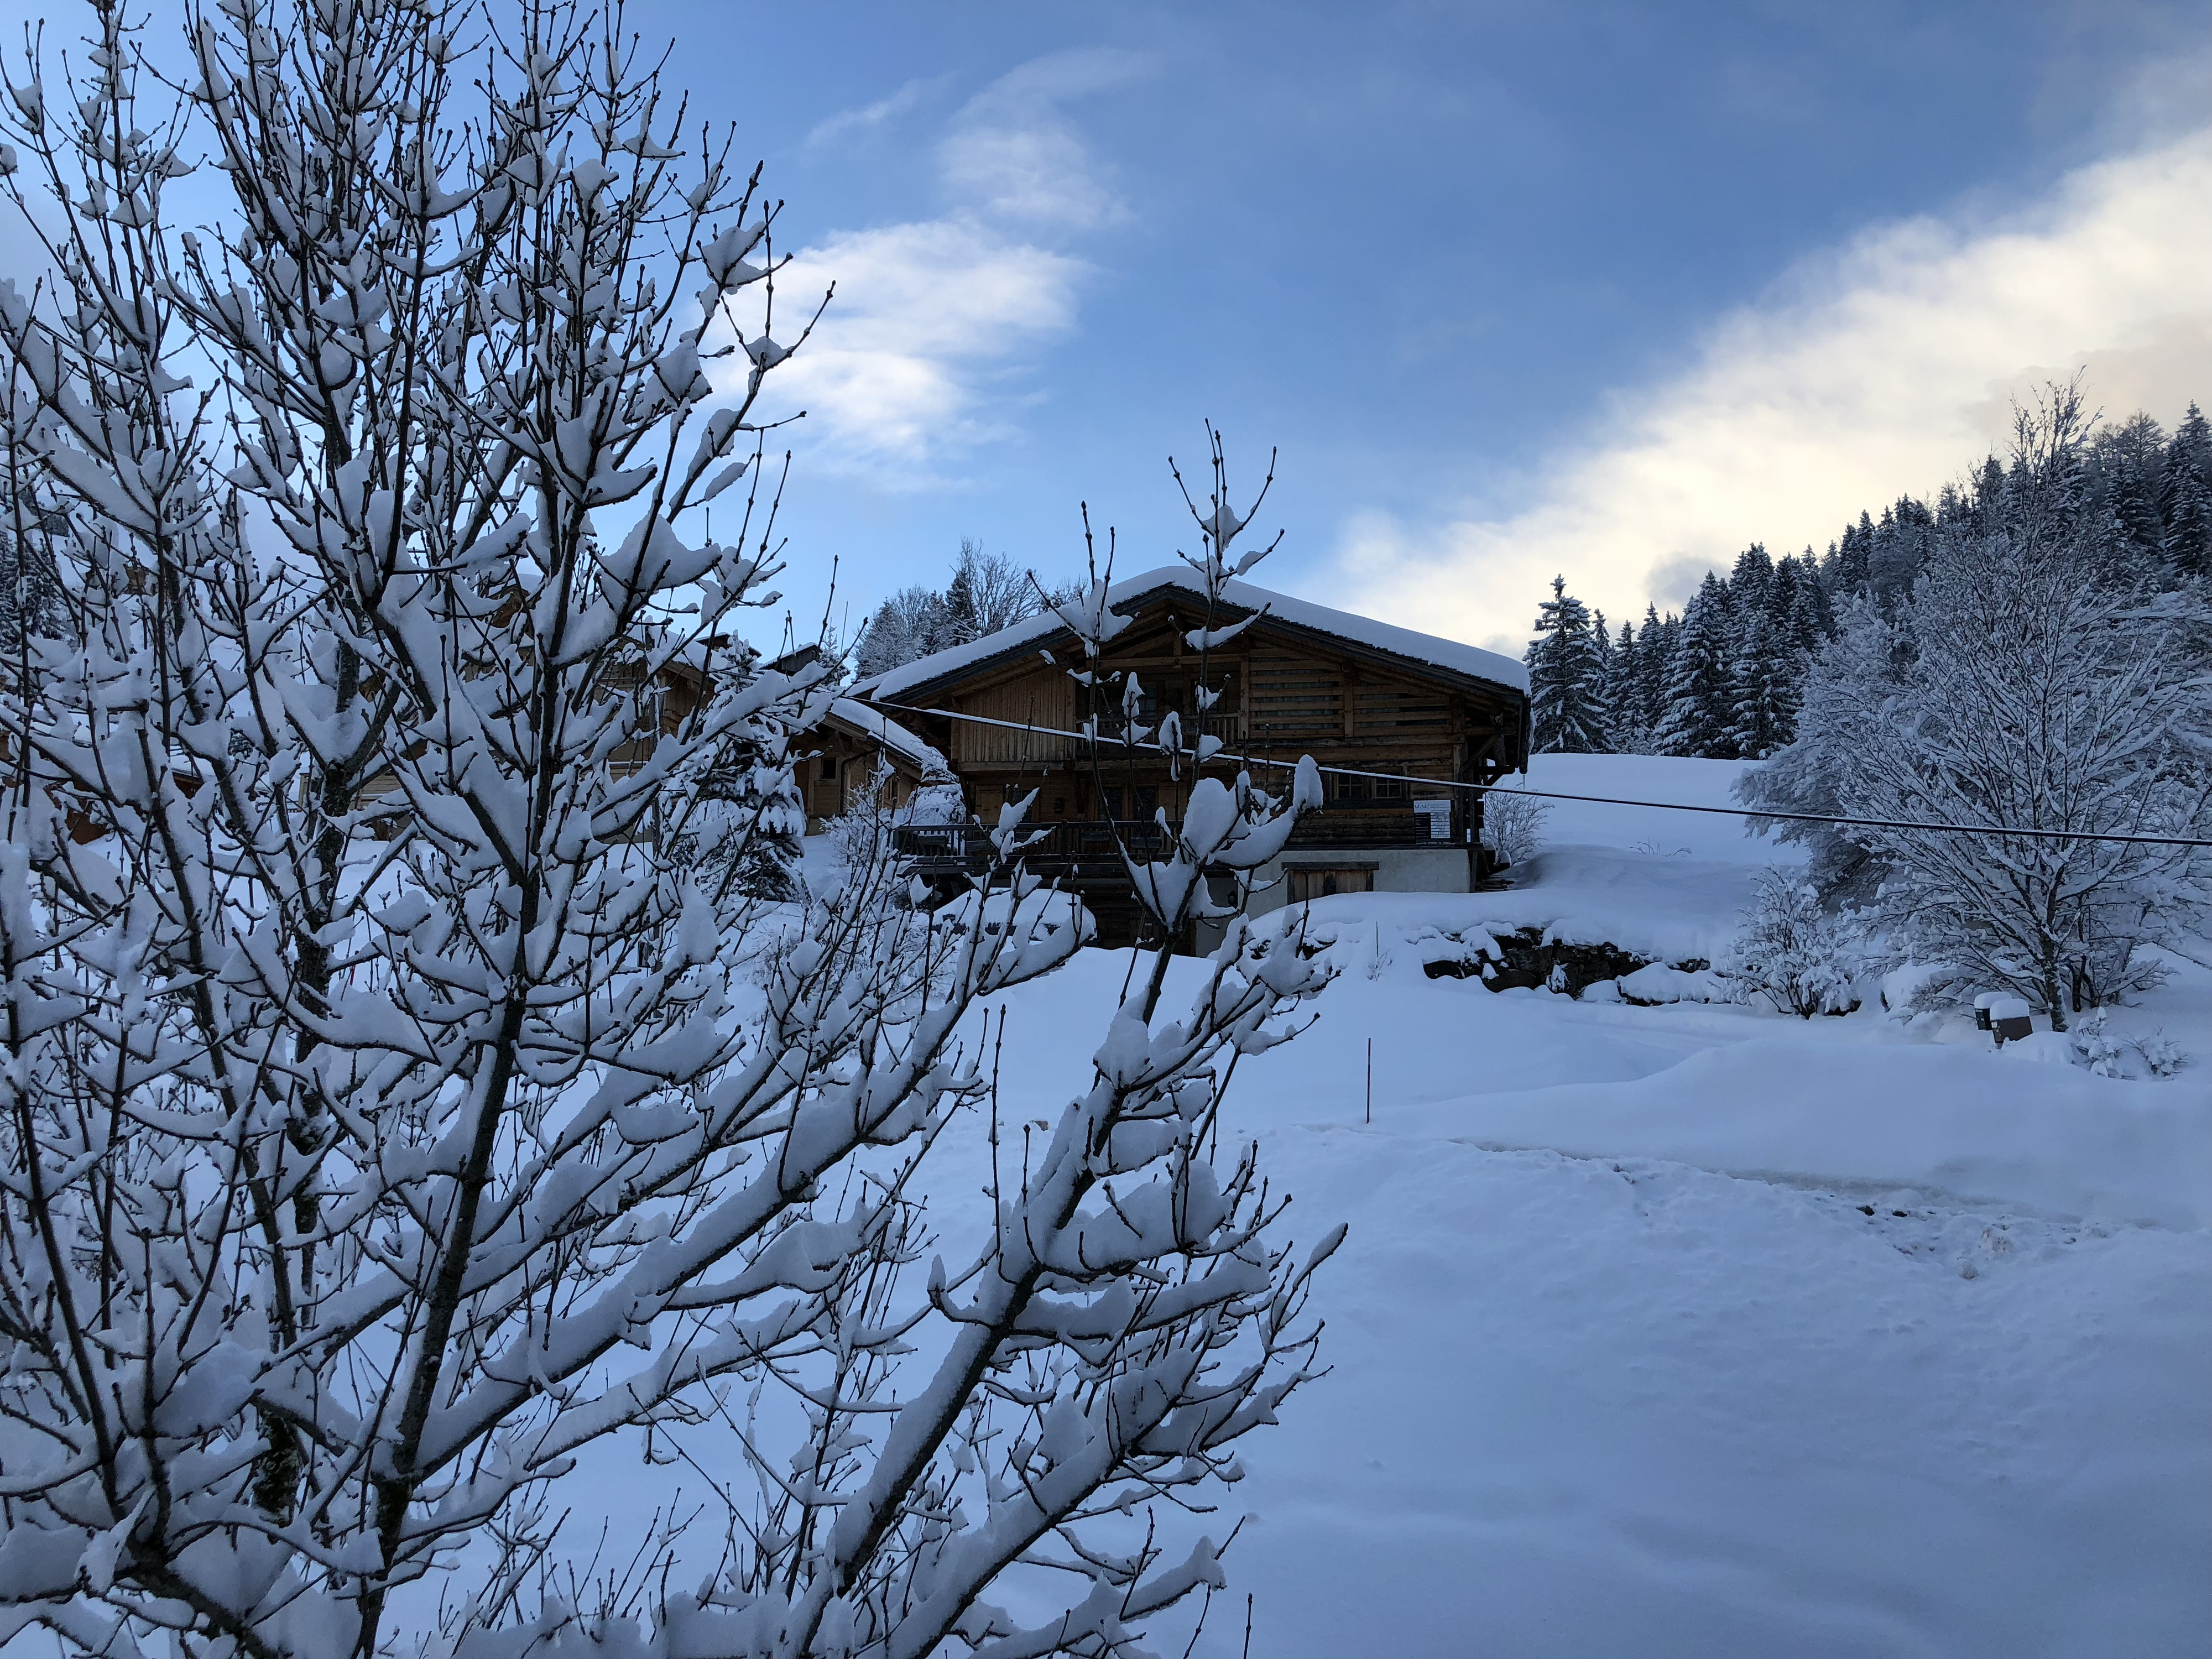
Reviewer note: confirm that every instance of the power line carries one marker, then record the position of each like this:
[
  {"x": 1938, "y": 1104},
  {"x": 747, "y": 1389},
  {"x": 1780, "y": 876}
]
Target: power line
[{"x": 1552, "y": 794}]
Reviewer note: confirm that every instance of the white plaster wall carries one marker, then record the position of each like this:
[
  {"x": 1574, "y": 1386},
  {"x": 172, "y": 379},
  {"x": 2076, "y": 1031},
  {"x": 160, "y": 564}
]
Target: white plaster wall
[{"x": 1443, "y": 868}]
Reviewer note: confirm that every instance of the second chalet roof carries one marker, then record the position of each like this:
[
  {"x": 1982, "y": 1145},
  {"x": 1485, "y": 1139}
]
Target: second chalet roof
[
  {"x": 1126, "y": 598},
  {"x": 873, "y": 725}
]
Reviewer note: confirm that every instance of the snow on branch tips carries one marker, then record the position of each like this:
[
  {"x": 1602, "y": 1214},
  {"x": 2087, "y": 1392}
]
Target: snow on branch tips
[{"x": 424, "y": 1072}]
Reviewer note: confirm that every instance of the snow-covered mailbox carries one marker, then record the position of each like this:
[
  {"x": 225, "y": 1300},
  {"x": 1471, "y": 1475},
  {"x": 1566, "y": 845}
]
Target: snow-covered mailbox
[
  {"x": 2008, "y": 1017},
  {"x": 1419, "y": 713}
]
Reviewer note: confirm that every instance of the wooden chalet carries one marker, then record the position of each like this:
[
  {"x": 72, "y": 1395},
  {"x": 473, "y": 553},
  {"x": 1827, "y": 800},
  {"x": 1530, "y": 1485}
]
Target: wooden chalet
[
  {"x": 856, "y": 751},
  {"x": 1301, "y": 679}
]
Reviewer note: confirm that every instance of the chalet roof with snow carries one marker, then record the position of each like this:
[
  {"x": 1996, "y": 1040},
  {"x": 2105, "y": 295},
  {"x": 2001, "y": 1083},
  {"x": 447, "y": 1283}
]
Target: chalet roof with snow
[
  {"x": 873, "y": 725},
  {"x": 1359, "y": 635}
]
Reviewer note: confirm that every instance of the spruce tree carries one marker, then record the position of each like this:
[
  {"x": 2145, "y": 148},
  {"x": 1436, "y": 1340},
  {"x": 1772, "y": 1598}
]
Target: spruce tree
[
  {"x": 1625, "y": 730},
  {"x": 1751, "y": 584},
  {"x": 750, "y": 817},
  {"x": 1898, "y": 547},
  {"x": 1603, "y": 663},
  {"x": 1699, "y": 713},
  {"x": 1988, "y": 491},
  {"x": 1566, "y": 667},
  {"x": 1655, "y": 647},
  {"x": 1782, "y": 592},
  {"x": 1811, "y": 620},
  {"x": 2129, "y": 467},
  {"x": 1762, "y": 690},
  {"x": 963, "y": 620},
  {"x": 2188, "y": 496},
  {"x": 1855, "y": 557}
]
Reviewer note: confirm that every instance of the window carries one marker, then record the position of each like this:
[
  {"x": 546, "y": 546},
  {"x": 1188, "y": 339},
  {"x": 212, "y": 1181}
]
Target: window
[
  {"x": 829, "y": 769},
  {"x": 1363, "y": 791},
  {"x": 1313, "y": 881}
]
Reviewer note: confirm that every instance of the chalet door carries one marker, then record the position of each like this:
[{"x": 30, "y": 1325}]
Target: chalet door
[
  {"x": 1311, "y": 882},
  {"x": 1145, "y": 800}
]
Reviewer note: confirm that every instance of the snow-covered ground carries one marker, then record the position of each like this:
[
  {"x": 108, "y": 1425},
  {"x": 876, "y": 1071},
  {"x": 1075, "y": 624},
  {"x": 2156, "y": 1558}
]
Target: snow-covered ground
[{"x": 1696, "y": 1330}]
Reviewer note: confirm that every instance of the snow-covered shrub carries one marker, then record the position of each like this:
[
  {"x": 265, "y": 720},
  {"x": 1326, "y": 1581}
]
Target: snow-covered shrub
[
  {"x": 392, "y": 1120},
  {"x": 1790, "y": 953},
  {"x": 2120, "y": 1054},
  {"x": 936, "y": 803},
  {"x": 1512, "y": 824}
]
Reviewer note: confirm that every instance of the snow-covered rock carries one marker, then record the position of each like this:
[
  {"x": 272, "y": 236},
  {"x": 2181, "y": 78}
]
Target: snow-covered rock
[{"x": 1659, "y": 984}]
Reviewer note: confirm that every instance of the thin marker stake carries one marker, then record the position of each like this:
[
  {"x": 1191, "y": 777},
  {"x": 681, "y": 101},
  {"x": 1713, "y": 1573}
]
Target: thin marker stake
[{"x": 1371, "y": 1079}]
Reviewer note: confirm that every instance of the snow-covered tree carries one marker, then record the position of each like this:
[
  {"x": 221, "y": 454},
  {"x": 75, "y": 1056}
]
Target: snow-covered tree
[
  {"x": 2128, "y": 463},
  {"x": 1627, "y": 732},
  {"x": 1762, "y": 690},
  {"x": 747, "y": 816},
  {"x": 905, "y": 627},
  {"x": 391, "y": 1115},
  {"x": 1513, "y": 823},
  {"x": 1698, "y": 711},
  {"x": 1566, "y": 677},
  {"x": 1655, "y": 649},
  {"x": 2015, "y": 689},
  {"x": 2186, "y": 495},
  {"x": 987, "y": 592},
  {"x": 1790, "y": 952}
]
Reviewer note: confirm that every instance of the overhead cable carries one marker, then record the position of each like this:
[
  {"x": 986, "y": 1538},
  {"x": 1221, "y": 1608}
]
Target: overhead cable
[{"x": 1553, "y": 794}]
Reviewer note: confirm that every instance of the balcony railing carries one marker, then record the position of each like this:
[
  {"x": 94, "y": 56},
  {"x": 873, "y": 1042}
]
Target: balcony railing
[{"x": 1086, "y": 847}]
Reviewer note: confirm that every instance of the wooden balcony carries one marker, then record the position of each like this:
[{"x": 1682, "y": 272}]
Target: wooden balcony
[{"x": 1090, "y": 850}]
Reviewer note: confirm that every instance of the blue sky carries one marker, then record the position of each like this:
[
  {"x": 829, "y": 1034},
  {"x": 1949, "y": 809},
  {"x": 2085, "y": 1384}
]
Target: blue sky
[
  {"x": 1605, "y": 289},
  {"x": 1504, "y": 282}
]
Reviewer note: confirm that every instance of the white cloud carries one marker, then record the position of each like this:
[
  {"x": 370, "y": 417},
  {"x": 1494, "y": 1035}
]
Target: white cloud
[
  {"x": 919, "y": 356},
  {"x": 896, "y": 374},
  {"x": 1884, "y": 366},
  {"x": 1013, "y": 155},
  {"x": 879, "y": 113}
]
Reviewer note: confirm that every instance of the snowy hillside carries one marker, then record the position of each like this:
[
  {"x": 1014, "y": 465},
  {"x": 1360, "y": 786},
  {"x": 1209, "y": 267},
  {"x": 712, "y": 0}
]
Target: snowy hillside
[{"x": 1694, "y": 1330}]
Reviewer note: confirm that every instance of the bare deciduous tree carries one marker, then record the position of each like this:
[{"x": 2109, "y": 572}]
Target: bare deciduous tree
[{"x": 391, "y": 1115}]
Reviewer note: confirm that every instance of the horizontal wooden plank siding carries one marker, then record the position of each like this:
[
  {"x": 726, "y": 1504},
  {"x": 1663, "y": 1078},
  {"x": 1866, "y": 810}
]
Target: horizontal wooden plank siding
[
  {"x": 1292, "y": 696},
  {"x": 1045, "y": 699}
]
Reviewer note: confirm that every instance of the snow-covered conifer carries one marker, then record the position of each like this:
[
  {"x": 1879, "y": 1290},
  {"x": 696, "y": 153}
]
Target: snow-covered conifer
[
  {"x": 2187, "y": 495},
  {"x": 1751, "y": 582},
  {"x": 1698, "y": 704},
  {"x": 1763, "y": 691},
  {"x": 1625, "y": 732},
  {"x": 1566, "y": 677},
  {"x": 904, "y": 627},
  {"x": 2129, "y": 466},
  {"x": 987, "y": 592},
  {"x": 1854, "y": 558},
  {"x": 1655, "y": 649}
]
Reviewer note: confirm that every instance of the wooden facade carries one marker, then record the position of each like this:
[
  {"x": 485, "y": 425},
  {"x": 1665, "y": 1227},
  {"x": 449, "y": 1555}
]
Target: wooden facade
[
  {"x": 857, "y": 753},
  {"x": 1288, "y": 687}
]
